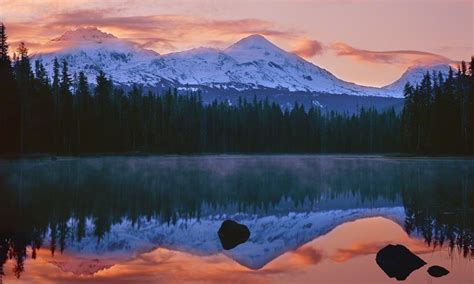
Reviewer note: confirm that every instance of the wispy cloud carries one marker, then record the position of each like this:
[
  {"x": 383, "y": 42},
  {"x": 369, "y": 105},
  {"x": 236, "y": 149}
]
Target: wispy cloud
[{"x": 401, "y": 57}]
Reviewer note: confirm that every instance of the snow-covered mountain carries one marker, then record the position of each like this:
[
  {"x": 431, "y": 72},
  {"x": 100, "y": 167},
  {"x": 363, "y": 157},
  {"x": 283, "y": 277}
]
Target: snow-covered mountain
[
  {"x": 415, "y": 74},
  {"x": 253, "y": 63}
]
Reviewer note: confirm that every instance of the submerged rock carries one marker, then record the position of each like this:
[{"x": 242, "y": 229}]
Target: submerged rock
[
  {"x": 233, "y": 234},
  {"x": 398, "y": 262},
  {"x": 437, "y": 271}
]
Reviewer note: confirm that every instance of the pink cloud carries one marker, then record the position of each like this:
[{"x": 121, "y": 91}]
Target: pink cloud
[
  {"x": 167, "y": 24},
  {"x": 154, "y": 31},
  {"x": 401, "y": 57},
  {"x": 309, "y": 48}
]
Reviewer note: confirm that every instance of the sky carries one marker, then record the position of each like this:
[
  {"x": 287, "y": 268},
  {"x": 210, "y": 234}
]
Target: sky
[{"x": 369, "y": 42}]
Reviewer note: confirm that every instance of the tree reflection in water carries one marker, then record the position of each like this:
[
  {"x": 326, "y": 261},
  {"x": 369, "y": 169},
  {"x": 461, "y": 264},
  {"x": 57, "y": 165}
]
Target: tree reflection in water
[{"x": 42, "y": 198}]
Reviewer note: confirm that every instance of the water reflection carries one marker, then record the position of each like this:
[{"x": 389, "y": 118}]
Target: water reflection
[
  {"x": 120, "y": 207},
  {"x": 345, "y": 255}
]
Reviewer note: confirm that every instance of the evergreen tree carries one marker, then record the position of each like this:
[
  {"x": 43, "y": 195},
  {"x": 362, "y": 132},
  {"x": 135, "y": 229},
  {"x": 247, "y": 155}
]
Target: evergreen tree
[
  {"x": 42, "y": 106},
  {"x": 4, "y": 56},
  {"x": 24, "y": 76},
  {"x": 470, "y": 106},
  {"x": 84, "y": 112},
  {"x": 57, "y": 105},
  {"x": 9, "y": 101},
  {"x": 66, "y": 111},
  {"x": 103, "y": 94}
]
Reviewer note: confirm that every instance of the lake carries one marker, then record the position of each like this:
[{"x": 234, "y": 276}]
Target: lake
[{"x": 312, "y": 219}]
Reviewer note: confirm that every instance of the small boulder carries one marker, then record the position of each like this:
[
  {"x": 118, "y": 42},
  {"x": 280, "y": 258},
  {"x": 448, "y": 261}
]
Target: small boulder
[
  {"x": 398, "y": 262},
  {"x": 437, "y": 271},
  {"x": 233, "y": 234}
]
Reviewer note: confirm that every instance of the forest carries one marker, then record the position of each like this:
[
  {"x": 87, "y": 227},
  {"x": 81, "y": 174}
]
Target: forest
[{"x": 65, "y": 114}]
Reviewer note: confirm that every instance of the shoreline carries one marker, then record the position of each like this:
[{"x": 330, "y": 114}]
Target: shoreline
[{"x": 54, "y": 157}]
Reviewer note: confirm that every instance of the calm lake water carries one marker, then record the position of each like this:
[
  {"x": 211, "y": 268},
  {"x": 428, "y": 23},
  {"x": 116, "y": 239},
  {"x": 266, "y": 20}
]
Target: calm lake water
[{"x": 313, "y": 219}]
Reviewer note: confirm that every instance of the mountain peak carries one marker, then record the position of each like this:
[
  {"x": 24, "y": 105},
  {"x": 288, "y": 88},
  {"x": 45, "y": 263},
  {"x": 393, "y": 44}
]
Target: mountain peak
[
  {"x": 255, "y": 38},
  {"x": 85, "y": 34},
  {"x": 254, "y": 41}
]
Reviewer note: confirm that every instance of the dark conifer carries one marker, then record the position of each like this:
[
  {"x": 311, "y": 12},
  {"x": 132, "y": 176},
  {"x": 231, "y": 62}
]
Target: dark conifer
[{"x": 9, "y": 100}]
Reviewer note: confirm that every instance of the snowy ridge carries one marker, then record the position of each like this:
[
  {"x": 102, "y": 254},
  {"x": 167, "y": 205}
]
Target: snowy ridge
[
  {"x": 271, "y": 236},
  {"x": 252, "y": 63}
]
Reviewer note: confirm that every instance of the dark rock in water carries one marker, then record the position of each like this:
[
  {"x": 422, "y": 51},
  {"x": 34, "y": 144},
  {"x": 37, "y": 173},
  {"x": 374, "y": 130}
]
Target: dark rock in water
[
  {"x": 437, "y": 271},
  {"x": 232, "y": 234},
  {"x": 398, "y": 261}
]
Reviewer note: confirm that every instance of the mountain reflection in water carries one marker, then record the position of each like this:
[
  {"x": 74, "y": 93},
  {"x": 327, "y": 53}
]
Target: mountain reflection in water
[{"x": 156, "y": 218}]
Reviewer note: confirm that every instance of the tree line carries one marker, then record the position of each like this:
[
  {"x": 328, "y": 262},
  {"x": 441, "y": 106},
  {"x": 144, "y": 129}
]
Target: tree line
[{"x": 66, "y": 114}]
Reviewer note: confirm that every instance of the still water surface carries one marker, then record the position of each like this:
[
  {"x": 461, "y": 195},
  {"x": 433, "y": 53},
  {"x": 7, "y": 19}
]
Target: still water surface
[{"x": 313, "y": 219}]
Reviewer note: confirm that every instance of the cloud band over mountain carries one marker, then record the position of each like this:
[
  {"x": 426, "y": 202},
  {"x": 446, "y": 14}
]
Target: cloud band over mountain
[
  {"x": 402, "y": 57},
  {"x": 157, "y": 31}
]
